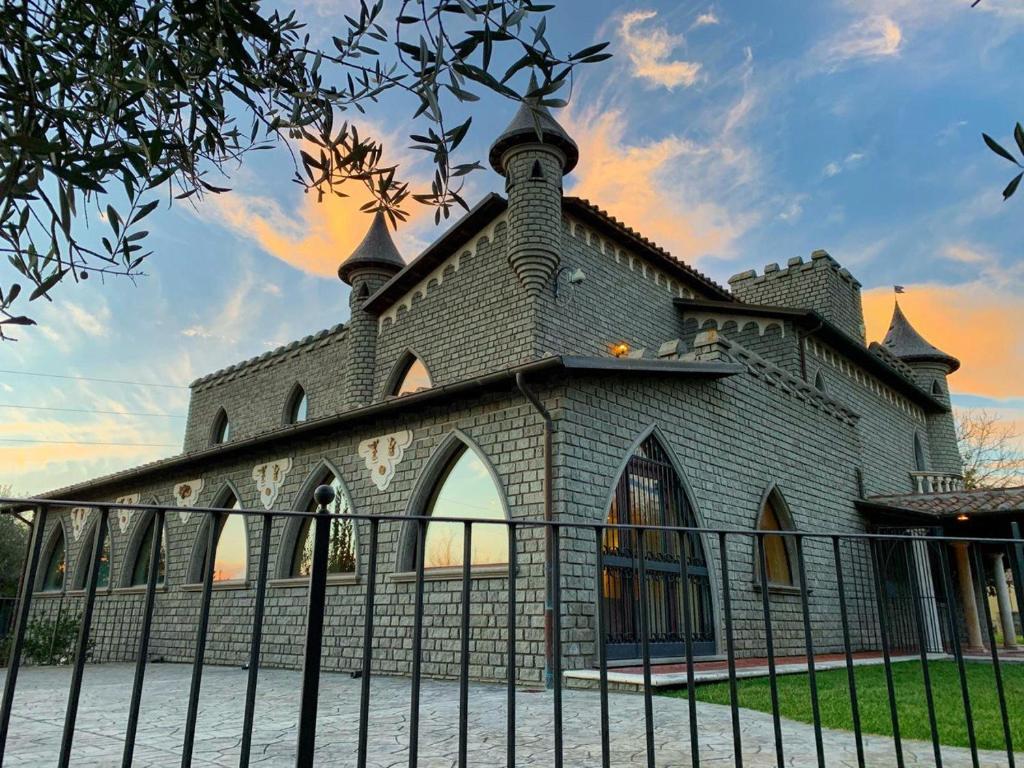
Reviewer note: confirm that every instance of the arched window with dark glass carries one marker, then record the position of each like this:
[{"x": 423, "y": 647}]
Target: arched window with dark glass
[
  {"x": 143, "y": 553},
  {"x": 342, "y": 551},
  {"x": 410, "y": 375},
  {"x": 937, "y": 388},
  {"x": 650, "y": 491},
  {"x": 298, "y": 406},
  {"x": 82, "y": 570},
  {"x": 819, "y": 382},
  {"x": 919, "y": 463},
  {"x": 778, "y": 549},
  {"x": 52, "y": 577},
  {"x": 463, "y": 486},
  {"x": 231, "y": 559},
  {"x": 221, "y": 428}
]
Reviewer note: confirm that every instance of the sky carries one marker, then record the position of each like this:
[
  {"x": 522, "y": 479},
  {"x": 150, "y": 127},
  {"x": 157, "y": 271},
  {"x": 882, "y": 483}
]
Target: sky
[{"x": 734, "y": 134}]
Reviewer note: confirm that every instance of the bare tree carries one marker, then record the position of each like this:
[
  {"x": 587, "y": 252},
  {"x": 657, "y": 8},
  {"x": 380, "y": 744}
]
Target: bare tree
[{"x": 990, "y": 450}]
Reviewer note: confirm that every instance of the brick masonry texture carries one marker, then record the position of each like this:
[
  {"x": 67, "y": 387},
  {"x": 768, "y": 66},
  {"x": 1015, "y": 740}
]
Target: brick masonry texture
[{"x": 732, "y": 440}]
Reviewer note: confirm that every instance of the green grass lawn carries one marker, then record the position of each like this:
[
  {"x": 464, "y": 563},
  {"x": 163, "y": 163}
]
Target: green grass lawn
[{"x": 872, "y": 695}]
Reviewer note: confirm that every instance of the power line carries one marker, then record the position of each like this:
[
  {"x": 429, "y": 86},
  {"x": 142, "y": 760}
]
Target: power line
[
  {"x": 84, "y": 442},
  {"x": 92, "y": 378},
  {"x": 92, "y": 410}
]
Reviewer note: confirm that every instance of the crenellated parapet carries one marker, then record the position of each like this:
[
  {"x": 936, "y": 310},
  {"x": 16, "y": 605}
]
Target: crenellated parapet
[{"x": 821, "y": 284}]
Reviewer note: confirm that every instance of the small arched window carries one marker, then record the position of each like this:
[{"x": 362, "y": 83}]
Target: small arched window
[
  {"x": 298, "y": 406},
  {"x": 937, "y": 389},
  {"x": 778, "y": 549},
  {"x": 341, "y": 552},
  {"x": 465, "y": 488},
  {"x": 221, "y": 428},
  {"x": 103, "y": 575},
  {"x": 140, "y": 569},
  {"x": 919, "y": 462},
  {"x": 412, "y": 376},
  {"x": 231, "y": 557},
  {"x": 819, "y": 382},
  {"x": 52, "y": 579}
]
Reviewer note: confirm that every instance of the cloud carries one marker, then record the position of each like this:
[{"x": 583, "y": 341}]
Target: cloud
[
  {"x": 978, "y": 322},
  {"x": 668, "y": 188},
  {"x": 832, "y": 169},
  {"x": 706, "y": 19},
  {"x": 793, "y": 209},
  {"x": 871, "y": 37},
  {"x": 650, "y": 49},
  {"x": 836, "y": 167}
]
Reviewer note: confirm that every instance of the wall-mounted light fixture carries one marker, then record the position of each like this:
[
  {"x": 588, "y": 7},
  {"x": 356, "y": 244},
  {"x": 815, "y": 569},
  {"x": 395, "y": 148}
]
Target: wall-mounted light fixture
[
  {"x": 962, "y": 517},
  {"x": 619, "y": 349},
  {"x": 575, "y": 277}
]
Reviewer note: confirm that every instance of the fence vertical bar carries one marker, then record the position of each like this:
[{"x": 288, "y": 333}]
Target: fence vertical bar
[
  {"x": 556, "y": 640},
  {"x": 645, "y": 644},
  {"x": 82, "y": 648},
  {"x": 1016, "y": 557},
  {"x": 144, "y": 634},
  {"x": 851, "y": 677},
  {"x": 770, "y": 649},
  {"x": 996, "y": 668},
  {"x": 510, "y": 714},
  {"x": 691, "y": 693},
  {"x": 958, "y": 654},
  {"x": 309, "y": 697},
  {"x": 922, "y": 645},
  {"x": 467, "y": 557},
  {"x": 256, "y": 641},
  {"x": 28, "y": 584},
  {"x": 883, "y": 631},
  {"x": 730, "y": 651},
  {"x": 812, "y": 677},
  {"x": 364, "y": 690},
  {"x": 417, "y": 649},
  {"x": 212, "y": 532},
  {"x": 602, "y": 643}
]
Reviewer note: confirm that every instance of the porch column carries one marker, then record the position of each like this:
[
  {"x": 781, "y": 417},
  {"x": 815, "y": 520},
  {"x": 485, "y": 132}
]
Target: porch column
[
  {"x": 926, "y": 594},
  {"x": 968, "y": 603},
  {"x": 1003, "y": 597}
]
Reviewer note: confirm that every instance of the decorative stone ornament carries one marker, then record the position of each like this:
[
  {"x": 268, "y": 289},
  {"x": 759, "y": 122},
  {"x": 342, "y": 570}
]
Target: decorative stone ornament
[
  {"x": 269, "y": 478},
  {"x": 187, "y": 495},
  {"x": 124, "y": 516},
  {"x": 79, "y": 515},
  {"x": 382, "y": 455}
]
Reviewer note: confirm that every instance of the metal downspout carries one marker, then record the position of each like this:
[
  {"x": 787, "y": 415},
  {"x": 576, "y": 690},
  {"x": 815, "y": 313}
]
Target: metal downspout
[{"x": 549, "y": 430}]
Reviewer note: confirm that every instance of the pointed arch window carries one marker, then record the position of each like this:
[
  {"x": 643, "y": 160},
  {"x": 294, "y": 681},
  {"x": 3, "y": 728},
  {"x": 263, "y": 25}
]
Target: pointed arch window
[
  {"x": 298, "y": 406},
  {"x": 341, "y": 552},
  {"x": 819, "y": 382},
  {"x": 52, "y": 579},
  {"x": 140, "y": 568},
  {"x": 937, "y": 388},
  {"x": 231, "y": 555},
  {"x": 82, "y": 569},
  {"x": 650, "y": 491},
  {"x": 919, "y": 462},
  {"x": 465, "y": 488},
  {"x": 779, "y": 549},
  {"x": 221, "y": 428},
  {"x": 411, "y": 376}
]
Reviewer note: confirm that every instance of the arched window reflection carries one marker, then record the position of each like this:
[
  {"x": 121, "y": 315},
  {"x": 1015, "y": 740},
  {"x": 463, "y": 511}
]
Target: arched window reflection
[
  {"x": 140, "y": 570},
  {"x": 56, "y": 565},
  {"x": 232, "y": 554},
  {"x": 341, "y": 552},
  {"x": 465, "y": 489},
  {"x": 414, "y": 378},
  {"x": 298, "y": 406}
]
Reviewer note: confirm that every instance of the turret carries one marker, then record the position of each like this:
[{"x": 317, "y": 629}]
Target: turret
[
  {"x": 374, "y": 261},
  {"x": 533, "y": 163},
  {"x": 931, "y": 366}
]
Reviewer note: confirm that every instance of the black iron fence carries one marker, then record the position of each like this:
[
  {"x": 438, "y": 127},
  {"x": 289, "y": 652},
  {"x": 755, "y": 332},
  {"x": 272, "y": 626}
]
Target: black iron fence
[{"x": 854, "y": 596}]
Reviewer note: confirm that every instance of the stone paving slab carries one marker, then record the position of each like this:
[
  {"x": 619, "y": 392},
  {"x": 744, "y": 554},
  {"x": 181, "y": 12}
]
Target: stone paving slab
[{"x": 42, "y": 692}]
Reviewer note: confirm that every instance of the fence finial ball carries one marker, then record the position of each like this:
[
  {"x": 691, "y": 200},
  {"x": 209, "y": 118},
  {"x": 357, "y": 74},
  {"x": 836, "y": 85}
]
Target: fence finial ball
[{"x": 324, "y": 495}]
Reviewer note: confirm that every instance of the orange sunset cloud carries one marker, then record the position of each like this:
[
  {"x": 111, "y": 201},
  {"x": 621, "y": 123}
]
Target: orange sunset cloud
[{"x": 976, "y": 322}]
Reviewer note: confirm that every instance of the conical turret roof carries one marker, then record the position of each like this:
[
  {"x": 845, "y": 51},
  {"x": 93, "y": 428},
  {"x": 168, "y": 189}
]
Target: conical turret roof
[
  {"x": 376, "y": 250},
  {"x": 523, "y": 130},
  {"x": 910, "y": 346}
]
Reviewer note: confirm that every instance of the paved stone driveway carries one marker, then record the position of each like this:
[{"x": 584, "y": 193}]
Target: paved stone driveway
[{"x": 39, "y": 707}]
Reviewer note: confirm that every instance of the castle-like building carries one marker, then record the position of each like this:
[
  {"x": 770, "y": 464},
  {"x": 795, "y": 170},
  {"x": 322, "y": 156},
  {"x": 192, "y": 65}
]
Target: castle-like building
[{"x": 541, "y": 359}]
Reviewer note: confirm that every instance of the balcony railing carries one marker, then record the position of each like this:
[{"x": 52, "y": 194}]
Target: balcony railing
[
  {"x": 872, "y": 592},
  {"x": 936, "y": 482}
]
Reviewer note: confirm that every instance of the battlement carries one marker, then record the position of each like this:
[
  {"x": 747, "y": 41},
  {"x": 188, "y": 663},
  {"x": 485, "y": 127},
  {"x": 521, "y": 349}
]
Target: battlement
[{"x": 821, "y": 284}]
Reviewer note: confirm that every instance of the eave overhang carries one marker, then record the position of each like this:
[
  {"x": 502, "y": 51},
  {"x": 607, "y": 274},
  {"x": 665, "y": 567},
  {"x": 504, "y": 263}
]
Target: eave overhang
[{"x": 394, "y": 406}]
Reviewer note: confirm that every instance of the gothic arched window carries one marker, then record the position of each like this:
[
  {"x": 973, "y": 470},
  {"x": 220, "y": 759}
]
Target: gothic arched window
[
  {"x": 143, "y": 553},
  {"x": 52, "y": 578},
  {"x": 231, "y": 558},
  {"x": 298, "y": 406},
  {"x": 919, "y": 462},
  {"x": 221, "y": 428},
  {"x": 411, "y": 375},
  {"x": 82, "y": 572},
  {"x": 341, "y": 552},
  {"x": 778, "y": 549}
]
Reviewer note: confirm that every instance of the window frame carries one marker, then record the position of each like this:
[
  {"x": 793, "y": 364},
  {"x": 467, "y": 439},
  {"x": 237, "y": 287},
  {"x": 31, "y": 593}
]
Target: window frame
[
  {"x": 220, "y": 433},
  {"x": 146, "y": 521},
  {"x": 774, "y": 499},
  {"x": 195, "y": 573},
  {"x": 296, "y": 396},
  {"x": 81, "y": 575},
  {"x": 400, "y": 371},
  {"x": 56, "y": 535}
]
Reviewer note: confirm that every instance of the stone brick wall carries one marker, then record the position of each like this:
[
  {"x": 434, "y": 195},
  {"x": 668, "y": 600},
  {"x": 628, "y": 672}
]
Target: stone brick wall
[{"x": 820, "y": 284}]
